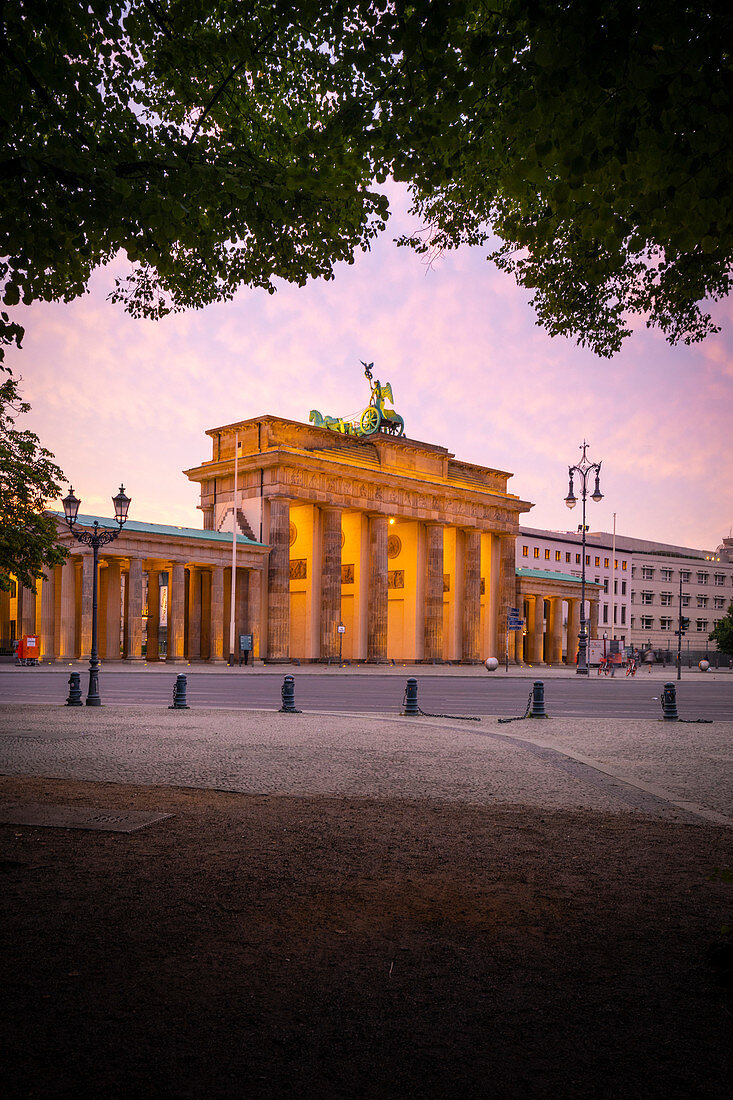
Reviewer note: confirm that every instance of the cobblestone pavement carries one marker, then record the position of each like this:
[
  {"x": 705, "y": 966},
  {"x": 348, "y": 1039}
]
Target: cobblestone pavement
[{"x": 672, "y": 770}]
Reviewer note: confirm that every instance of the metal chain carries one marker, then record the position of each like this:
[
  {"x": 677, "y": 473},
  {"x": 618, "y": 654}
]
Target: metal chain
[
  {"x": 456, "y": 717},
  {"x": 520, "y": 717}
]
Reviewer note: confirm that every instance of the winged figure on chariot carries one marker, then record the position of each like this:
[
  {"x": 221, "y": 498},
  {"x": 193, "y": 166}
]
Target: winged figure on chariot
[{"x": 374, "y": 418}]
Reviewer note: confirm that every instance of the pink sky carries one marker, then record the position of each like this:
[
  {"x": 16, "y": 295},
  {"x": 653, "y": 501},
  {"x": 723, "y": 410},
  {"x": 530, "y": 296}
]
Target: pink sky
[{"x": 122, "y": 400}]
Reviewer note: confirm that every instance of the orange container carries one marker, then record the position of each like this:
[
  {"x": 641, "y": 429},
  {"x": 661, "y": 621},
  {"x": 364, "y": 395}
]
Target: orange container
[{"x": 28, "y": 648}]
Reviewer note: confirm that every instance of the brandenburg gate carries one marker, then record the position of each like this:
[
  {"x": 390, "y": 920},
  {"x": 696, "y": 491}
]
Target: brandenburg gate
[{"x": 384, "y": 544}]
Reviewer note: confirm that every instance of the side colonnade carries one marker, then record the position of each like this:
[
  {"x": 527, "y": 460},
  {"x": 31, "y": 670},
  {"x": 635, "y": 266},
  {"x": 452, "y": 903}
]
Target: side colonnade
[
  {"x": 154, "y": 603},
  {"x": 550, "y": 603}
]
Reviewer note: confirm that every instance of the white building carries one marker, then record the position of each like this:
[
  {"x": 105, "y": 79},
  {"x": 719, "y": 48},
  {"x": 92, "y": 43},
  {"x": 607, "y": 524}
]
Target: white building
[{"x": 639, "y": 600}]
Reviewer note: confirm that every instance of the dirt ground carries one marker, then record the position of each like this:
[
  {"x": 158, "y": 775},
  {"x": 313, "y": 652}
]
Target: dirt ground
[{"x": 321, "y": 947}]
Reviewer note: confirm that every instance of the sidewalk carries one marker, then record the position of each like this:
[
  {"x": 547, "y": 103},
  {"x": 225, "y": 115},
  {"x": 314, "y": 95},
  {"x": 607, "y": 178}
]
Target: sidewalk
[
  {"x": 336, "y": 906},
  {"x": 261, "y": 668}
]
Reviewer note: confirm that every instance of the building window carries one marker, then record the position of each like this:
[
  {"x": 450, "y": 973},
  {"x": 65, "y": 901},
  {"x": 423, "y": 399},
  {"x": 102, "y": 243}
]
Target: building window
[
  {"x": 702, "y": 578},
  {"x": 577, "y": 559},
  {"x": 587, "y": 559},
  {"x": 685, "y": 576},
  {"x": 702, "y": 626},
  {"x": 605, "y": 563},
  {"x": 647, "y": 573},
  {"x": 605, "y": 585},
  {"x": 598, "y": 563},
  {"x": 605, "y": 613},
  {"x": 665, "y": 624},
  {"x": 623, "y": 616},
  {"x": 567, "y": 555},
  {"x": 666, "y": 599},
  {"x": 536, "y": 552},
  {"x": 623, "y": 588},
  {"x": 633, "y": 570},
  {"x": 647, "y": 597},
  {"x": 720, "y": 578},
  {"x": 685, "y": 601},
  {"x": 633, "y": 596},
  {"x": 547, "y": 555},
  {"x": 633, "y": 622},
  {"x": 623, "y": 565},
  {"x": 718, "y": 601},
  {"x": 666, "y": 574},
  {"x": 647, "y": 622},
  {"x": 715, "y": 623},
  {"x": 525, "y": 551},
  {"x": 702, "y": 601},
  {"x": 557, "y": 555}
]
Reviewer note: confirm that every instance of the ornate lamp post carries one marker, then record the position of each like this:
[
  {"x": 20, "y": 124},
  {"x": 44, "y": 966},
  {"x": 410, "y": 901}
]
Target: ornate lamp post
[
  {"x": 95, "y": 538},
  {"x": 583, "y": 469}
]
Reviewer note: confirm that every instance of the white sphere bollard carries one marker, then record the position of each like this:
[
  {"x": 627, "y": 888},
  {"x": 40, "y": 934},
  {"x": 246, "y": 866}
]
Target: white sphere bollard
[
  {"x": 492, "y": 663},
  {"x": 704, "y": 665}
]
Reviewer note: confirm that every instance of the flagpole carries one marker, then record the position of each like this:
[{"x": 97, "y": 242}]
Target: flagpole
[
  {"x": 232, "y": 616},
  {"x": 613, "y": 580}
]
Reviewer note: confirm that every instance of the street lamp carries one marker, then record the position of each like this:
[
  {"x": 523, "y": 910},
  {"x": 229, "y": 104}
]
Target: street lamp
[
  {"x": 95, "y": 538},
  {"x": 583, "y": 469}
]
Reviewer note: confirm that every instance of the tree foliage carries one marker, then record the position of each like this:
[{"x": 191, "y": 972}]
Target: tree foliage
[
  {"x": 229, "y": 143},
  {"x": 28, "y": 480},
  {"x": 202, "y": 140},
  {"x": 723, "y": 632},
  {"x": 593, "y": 139}
]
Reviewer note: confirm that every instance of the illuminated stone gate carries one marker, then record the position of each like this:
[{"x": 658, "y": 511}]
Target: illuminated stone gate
[{"x": 412, "y": 551}]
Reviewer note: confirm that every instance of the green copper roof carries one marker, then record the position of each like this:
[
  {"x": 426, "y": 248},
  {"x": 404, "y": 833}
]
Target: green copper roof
[
  {"x": 547, "y": 575},
  {"x": 163, "y": 529}
]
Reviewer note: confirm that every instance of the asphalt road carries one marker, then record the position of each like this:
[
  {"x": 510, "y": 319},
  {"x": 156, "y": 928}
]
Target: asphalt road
[{"x": 568, "y": 698}]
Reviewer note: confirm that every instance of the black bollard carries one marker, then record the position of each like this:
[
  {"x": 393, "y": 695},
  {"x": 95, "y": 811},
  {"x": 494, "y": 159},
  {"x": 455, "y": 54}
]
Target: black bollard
[
  {"x": 410, "y": 700},
  {"x": 538, "y": 700},
  {"x": 669, "y": 703},
  {"x": 74, "y": 699},
  {"x": 179, "y": 694},
  {"x": 288, "y": 696}
]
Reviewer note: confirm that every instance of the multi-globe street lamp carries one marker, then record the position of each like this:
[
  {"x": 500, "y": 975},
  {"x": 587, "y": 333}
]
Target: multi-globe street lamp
[
  {"x": 583, "y": 469},
  {"x": 98, "y": 536}
]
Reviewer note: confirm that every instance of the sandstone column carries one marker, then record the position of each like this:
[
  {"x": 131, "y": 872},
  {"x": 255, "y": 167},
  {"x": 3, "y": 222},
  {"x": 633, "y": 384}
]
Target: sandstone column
[
  {"x": 194, "y": 613},
  {"x": 176, "y": 612},
  {"x": 507, "y": 586},
  {"x": 573, "y": 630},
  {"x": 114, "y": 606},
  {"x": 278, "y": 604},
  {"x": 472, "y": 598},
  {"x": 240, "y": 610},
  {"x": 538, "y": 647},
  {"x": 433, "y": 593},
  {"x": 216, "y": 633},
  {"x": 593, "y": 631},
  {"x": 134, "y": 601},
  {"x": 48, "y": 604},
  {"x": 5, "y": 616},
  {"x": 254, "y": 612},
  {"x": 555, "y": 631},
  {"x": 26, "y": 621},
  {"x": 377, "y": 599},
  {"x": 87, "y": 581},
  {"x": 330, "y": 582},
  {"x": 152, "y": 648},
  {"x": 65, "y": 610}
]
